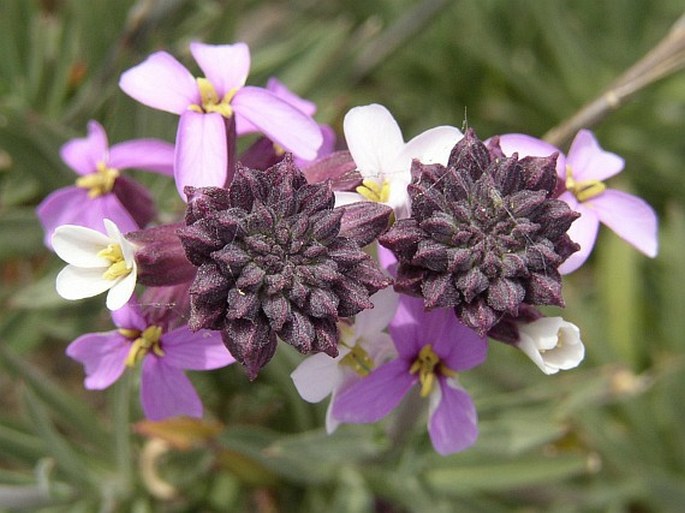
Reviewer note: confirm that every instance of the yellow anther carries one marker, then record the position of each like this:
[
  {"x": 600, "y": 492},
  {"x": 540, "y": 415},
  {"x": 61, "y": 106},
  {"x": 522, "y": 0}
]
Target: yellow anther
[
  {"x": 374, "y": 191},
  {"x": 359, "y": 360},
  {"x": 584, "y": 190},
  {"x": 129, "y": 333},
  {"x": 118, "y": 266},
  {"x": 279, "y": 150},
  {"x": 99, "y": 183},
  {"x": 146, "y": 342},
  {"x": 211, "y": 101},
  {"x": 428, "y": 366}
]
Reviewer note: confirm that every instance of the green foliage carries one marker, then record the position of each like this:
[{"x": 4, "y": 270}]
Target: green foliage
[{"x": 605, "y": 437}]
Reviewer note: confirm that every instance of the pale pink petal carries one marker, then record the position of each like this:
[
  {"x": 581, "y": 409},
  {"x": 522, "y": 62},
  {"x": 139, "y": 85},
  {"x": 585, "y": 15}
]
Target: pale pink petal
[
  {"x": 373, "y": 397},
  {"x": 368, "y": 323},
  {"x": 331, "y": 422},
  {"x": 582, "y": 231},
  {"x": 129, "y": 316},
  {"x": 387, "y": 259},
  {"x": 317, "y": 376},
  {"x": 225, "y": 66},
  {"x": 201, "y": 152},
  {"x": 149, "y": 154},
  {"x": 83, "y": 155},
  {"x": 103, "y": 356},
  {"x": 161, "y": 82},
  {"x": 200, "y": 350},
  {"x": 79, "y": 246},
  {"x": 430, "y": 147},
  {"x": 279, "y": 121},
  {"x": 452, "y": 422},
  {"x": 588, "y": 161},
  {"x": 630, "y": 217},
  {"x": 167, "y": 392},
  {"x": 121, "y": 291},
  {"x": 281, "y": 90},
  {"x": 79, "y": 282},
  {"x": 373, "y": 138},
  {"x": 528, "y": 146}
]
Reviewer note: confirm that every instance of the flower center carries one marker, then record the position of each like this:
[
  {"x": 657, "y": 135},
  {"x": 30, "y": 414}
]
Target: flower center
[
  {"x": 428, "y": 366},
  {"x": 99, "y": 183},
  {"x": 211, "y": 101},
  {"x": 374, "y": 191},
  {"x": 118, "y": 266},
  {"x": 142, "y": 343},
  {"x": 358, "y": 360},
  {"x": 584, "y": 190}
]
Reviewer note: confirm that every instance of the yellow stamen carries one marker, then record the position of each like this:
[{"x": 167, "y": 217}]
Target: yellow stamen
[
  {"x": 278, "y": 149},
  {"x": 211, "y": 101},
  {"x": 99, "y": 183},
  {"x": 147, "y": 341},
  {"x": 584, "y": 190},
  {"x": 374, "y": 191},
  {"x": 118, "y": 266},
  {"x": 428, "y": 366},
  {"x": 359, "y": 360}
]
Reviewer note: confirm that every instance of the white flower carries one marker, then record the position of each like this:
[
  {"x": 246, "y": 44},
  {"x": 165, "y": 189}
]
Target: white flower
[
  {"x": 97, "y": 263},
  {"x": 362, "y": 346},
  {"x": 384, "y": 160},
  {"x": 552, "y": 343}
]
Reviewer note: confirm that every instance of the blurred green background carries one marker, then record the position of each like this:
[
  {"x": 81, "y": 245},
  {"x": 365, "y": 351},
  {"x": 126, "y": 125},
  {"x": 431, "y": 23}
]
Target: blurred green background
[{"x": 606, "y": 437}]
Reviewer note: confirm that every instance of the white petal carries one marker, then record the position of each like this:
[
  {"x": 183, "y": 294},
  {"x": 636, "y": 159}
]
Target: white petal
[
  {"x": 345, "y": 198},
  {"x": 122, "y": 291},
  {"x": 80, "y": 282},
  {"x": 79, "y": 245},
  {"x": 316, "y": 377},
  {"x": 127, "y": 248},
  {"x": 369, "y": 323},
  {"x": 431, "y": 147},
  {"x": 552, "y": 343},
  {"x": 373, "y": 138}
]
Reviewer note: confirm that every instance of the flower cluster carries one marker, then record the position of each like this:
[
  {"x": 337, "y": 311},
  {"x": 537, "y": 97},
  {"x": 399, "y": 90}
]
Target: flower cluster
[{"x": 388, "y": 264}]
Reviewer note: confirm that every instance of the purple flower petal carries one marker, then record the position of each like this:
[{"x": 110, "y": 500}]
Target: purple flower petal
[
  {"x": 129, "y": 316},
  {"x": 279, "y": 121},
  {"x": 630, "y": 217},
  {"x": 452, "y": 423},
  {"x": 161, "y": 82},
  {"x": 201, "y": 155},
  {"x": 459, "y": 347},
  {"x": 201, "y": 350},
  {"x": 225, "y": 66},
  {"x": 281, "y": 90},
  {"x": 103, "y": 356},
  {"x": 373, "y": 397},
  {"x": 83, "y": 155},
  {"x": 167, "y": 392},
  {"x": 583, "y": 231},
  {"x": 405, "y": 329},
  {"x": 71, "y": 205},
  {"x": 149, "y": 154},
  {"x": 588, "y": 161},
  {"x": 528, "y": 146}
]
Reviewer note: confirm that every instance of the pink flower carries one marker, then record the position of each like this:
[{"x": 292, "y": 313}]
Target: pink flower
[
  {"x": 205, "y": 104},
  {"x": 432, "y": 347},
  {"x": 101, "y": 192},
  {"x": 583, "y": 172},
  {"x": 165, "y": 391}
]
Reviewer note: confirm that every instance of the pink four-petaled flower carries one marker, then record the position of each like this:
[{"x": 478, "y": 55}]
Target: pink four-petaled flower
[
  {"x": 165, "y": 390},
  {"x": 583, "y": 172},
  {"x": 204, "y": 105},
  {"x": 432, "y": 347}
]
